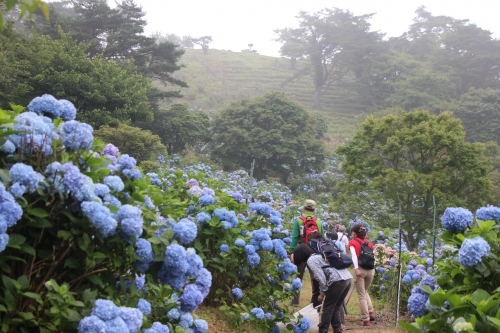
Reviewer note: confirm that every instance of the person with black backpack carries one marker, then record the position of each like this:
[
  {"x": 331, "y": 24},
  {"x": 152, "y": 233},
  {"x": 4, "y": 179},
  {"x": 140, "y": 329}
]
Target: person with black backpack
[
  {"x": 328, "y": 267},
  {"x": 363, "y": 259},
  {"x": 302, "y": 227}
]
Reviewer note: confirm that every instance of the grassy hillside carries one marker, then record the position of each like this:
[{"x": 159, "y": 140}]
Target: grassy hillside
[{"x": 221, "y": 77}]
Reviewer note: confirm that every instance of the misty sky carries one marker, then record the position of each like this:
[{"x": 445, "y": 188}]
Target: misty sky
[{"x": 233, "y": 24}]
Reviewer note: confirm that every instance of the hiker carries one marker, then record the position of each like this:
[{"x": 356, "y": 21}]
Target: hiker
[
  {"x": 364, "y": 263},
  {"x": 342, "y": 237},
  {"x": 333, "y": 288},
  {"x": 299, "y": 256},
  {"x": 329, "y": 228},
  {"x": 302, "y": 227}
]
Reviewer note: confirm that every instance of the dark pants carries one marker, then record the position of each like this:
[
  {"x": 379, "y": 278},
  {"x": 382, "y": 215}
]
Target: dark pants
[
  {"x": 314, "y": 286},
  {"x": 334, "y": 297}
]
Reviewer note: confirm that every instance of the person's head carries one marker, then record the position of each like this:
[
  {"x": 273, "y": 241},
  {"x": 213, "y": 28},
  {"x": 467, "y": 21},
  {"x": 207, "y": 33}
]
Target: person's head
[
  {"x": 329, "y": 221},
  {"x": 341, "y": 228},
  {"x": 358, "y": 231},
  {"x": 334, "y": 236},
  {"x": 310, "y": 205},
  {"x": 301, "y": 253},
  {"x": 313, "y": 235}
]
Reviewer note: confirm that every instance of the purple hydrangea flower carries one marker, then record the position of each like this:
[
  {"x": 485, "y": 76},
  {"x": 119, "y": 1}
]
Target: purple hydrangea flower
[
  {"x": 192, "y": 182},
  {"x": 110, "y": 150}
]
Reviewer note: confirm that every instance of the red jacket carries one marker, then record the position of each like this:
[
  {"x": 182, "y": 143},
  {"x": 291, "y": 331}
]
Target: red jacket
[{"x": 357, "y": 246}]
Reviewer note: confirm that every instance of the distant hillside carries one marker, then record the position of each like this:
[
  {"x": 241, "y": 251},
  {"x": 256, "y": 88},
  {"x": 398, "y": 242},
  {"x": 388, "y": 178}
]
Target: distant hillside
[{"x": 221, "y": 77}]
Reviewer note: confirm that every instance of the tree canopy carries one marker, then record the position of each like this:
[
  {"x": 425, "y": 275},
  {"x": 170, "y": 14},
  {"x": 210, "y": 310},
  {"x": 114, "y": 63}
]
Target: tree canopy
[
  {"x": 335, "y": 42},
  {"x": 274, "y": 130},
  {"x": 179, "y": 127},
  {"x": 411, "y": 158}
]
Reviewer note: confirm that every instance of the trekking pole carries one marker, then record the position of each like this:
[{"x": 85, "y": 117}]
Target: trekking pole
[
  {"x": 399, "y": 266},
  {"x": 350, "y": 295}
]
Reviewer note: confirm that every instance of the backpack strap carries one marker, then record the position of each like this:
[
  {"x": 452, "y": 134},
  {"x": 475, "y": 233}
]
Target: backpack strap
[{"x": 360, "y": 242}]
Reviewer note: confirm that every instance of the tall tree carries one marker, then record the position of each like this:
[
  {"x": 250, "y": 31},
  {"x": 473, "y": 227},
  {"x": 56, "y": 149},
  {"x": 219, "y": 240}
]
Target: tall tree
[
  {"x": 479, "y": 110},
  {"x": 336, "y": 42},
  {"x": 274, "y": 130},
  {"x": 203, "y": 42},
  {"x": 411, "y": 158},
  {"x": 103, "y": 91}
]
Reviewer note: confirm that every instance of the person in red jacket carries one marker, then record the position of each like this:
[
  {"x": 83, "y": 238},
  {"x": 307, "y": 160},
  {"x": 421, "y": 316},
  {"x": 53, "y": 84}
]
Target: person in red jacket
[{"x": 363, "y": 277}]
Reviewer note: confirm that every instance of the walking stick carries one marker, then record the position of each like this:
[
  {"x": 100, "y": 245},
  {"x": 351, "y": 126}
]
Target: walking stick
[{"x": 350, "y": 295}]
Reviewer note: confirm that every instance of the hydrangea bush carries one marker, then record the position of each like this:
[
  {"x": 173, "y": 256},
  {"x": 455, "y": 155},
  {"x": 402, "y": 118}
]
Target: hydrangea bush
[
  {"x": 84, "y": 241},
  {"x": 465, "y": 296}
]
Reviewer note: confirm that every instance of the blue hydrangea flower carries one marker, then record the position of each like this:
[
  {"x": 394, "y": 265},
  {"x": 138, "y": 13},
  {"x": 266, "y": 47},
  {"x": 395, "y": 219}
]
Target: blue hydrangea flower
[
  {"x": 250, "y": 249},
  {"x": 194, "y": 262},
  {"x": 276, "y": 329},
  {"x": 239, "y": 242},
  {"x": 126, "y": 162},
  {"x": 10, "y": 210},
  {"x": 131, "y": 227},
  {"x": 208, "y": 191},
  {"x": 105, "y": 309},
  {"x": 132, "y": 173},
  {"x": 101, "y": 190},
  {"x": 17, "y": 190},
  {"x": 382, "y": 288},
  {"x": 145, "y": 252},
  {"x": 144, "y": 306},
  {"x": 253, "y": 260},
  {"x": 132, "y": 318},
  {"x": 91, "y": 324},
  {"x": 116, "y": 325},
  {"x": 100, "y": 216},
  {"x": 416, "y": 305},
  {"x": 73, "y": 178},
  {"x": 224, "y": 248},
  {"x": 175, "y": 258},
  {"x": 8, "y": 147},
  {"x": 68, "y": 110},
  {"x": 302, "y": 326},
  {"x": 195, "y": 191},
  {"x": 4, "y": 240},
  {"x": 296, "y": 284},
  {"x": 87, "y": 191},
  {"x": 26, "y": 176},
  {"x": 206, "y": 200},
  {"x": 204, "y": 281},
  {"x": 185, "y": 231},
  {"x": 407, "y": 279},
  {"x": 200, "y": 326},
  {"x": 160, "y": 328},
  {"x": 266, "y": 245},
  {"x": 45, "y": 104},
  {"x": 203, "y": 217},
  {"x": 258, "y": 313},
  {"x": 488, "y": 213},
  {"x": 456, "y": 219},
  {"x": 174, "y": 314},
  {"x": 155, "y": 180},
  {"x": 274, "y": 219},
  {"x": 115, "y": 183},
  {"x": 185, "y": 320},
  {"x": 428, "y": 262},
  {"x": 76, "y": 135},
  {"x": 237, "y": 292},
  {"x": 191, "y": 298},
  {"x": 472, "y": 251}
]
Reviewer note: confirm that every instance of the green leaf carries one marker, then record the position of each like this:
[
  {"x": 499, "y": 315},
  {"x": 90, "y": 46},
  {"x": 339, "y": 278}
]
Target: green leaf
[
  {"x": 9, "y": 4},
  {"x": 95, "y": 279},
  {"x": 26, "y": 315},
  {"x": 480, "y": 295},
  {"x": 64, "y": 234},
  {"x": 94, "y": 161},
  {"x": 71, "y": 262},
  {"x": 84, "y": 241},
  {"x": 38, "y": 212},
  {"x": 34, "y": 296},
  {"x": 28, "y": 249},
  {"x": 40, "y": 223},
  {"x": 495, "y": 321},
  {"x": 15, "y": 240},
  {"x": 409, "y": 327}
]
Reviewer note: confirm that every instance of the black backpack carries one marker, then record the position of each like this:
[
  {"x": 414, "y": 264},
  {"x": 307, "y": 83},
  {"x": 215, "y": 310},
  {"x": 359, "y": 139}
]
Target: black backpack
[
  {"x": 330, "y": 253},
  {"x": 366, "y": 257}
]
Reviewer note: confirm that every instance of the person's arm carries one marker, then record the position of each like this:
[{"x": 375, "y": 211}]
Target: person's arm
[
  {"x": 340, "y": 245},
  {"x": 357, "y": 271},
  {"x": 315, "y": 263},
  {"x": 295, "y": 235}
]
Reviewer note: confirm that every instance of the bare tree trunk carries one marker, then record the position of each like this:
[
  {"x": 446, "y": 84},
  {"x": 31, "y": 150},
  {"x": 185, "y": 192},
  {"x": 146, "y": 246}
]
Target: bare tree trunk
[{"x": 317, "y": 98}]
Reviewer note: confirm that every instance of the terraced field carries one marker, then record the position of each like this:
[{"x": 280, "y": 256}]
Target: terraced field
[{"x": 221, "y": 77}]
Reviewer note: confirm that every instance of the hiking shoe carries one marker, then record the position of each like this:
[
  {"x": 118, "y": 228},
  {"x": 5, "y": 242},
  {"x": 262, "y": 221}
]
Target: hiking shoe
[
  {"x": 294, "y": 303},
  {"x": 366, "y": 323},
  {"x": 372, "y": 316}
]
